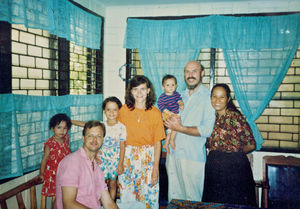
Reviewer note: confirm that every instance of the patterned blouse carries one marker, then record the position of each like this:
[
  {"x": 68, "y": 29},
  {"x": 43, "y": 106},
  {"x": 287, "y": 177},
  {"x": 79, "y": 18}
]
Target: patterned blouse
[{"x": 231, "y": 133}]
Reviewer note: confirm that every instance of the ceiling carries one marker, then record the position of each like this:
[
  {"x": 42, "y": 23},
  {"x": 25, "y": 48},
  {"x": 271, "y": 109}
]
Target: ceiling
[{"x": 158, "y": 2}]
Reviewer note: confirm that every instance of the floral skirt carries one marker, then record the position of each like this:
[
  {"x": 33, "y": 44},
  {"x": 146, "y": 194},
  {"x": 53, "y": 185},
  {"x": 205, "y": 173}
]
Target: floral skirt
[
  {"x": 110, "y": 160},
  {"x": 135, "y": 182}
]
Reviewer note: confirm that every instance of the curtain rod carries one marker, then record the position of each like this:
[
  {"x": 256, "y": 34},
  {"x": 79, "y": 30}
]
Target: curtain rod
[{"x": 194, "y": 16}]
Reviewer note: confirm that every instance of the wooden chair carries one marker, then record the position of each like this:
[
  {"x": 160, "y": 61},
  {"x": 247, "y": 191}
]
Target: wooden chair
[
  {"x": 258, "y": 184},
  {"x": 281, "y": 182},
  {"x": 17, "y": 192}
]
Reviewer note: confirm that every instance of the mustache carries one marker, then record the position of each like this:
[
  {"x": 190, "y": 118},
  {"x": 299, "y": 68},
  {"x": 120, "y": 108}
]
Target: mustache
[{"x": 191, "y": 78}]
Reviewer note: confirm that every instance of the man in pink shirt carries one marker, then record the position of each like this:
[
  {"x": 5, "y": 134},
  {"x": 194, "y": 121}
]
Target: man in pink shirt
[{"x": 80, "y": 182}]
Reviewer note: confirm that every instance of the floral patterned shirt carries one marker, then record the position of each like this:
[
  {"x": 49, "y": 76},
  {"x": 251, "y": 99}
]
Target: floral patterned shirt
[{"x": 231, "y": 133}]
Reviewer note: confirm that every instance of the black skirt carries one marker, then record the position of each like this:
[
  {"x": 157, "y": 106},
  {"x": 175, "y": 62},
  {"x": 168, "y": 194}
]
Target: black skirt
[{"x": 228, "y": 179}]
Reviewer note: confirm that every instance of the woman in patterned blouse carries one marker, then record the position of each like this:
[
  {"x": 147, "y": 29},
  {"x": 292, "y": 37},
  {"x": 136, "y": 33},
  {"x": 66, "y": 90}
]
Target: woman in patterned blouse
[{"x": 228, "y": 175}]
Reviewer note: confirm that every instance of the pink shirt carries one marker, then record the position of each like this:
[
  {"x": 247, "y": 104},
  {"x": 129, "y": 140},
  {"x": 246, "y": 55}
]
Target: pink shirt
[{"x": 76, "y": 170}]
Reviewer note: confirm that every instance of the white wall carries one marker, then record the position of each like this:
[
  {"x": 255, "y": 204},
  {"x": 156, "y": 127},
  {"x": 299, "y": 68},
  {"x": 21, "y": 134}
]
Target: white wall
[{"x": 92, "y": 5}]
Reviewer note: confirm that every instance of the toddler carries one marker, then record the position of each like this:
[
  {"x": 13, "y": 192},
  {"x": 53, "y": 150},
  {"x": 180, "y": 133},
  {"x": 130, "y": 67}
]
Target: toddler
[
  {"x": 55, "y": 149},
  {"x": 169, "y": 103}
]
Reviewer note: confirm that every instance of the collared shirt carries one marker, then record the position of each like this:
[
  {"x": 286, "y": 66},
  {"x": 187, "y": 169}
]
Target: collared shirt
[
  {"x": 198, "y": 112},
  {"x": 76, "y": 170},
  {"x": 231, "y": 133}
]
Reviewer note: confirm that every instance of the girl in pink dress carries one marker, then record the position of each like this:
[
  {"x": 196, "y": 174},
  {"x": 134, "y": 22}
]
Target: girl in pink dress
[{"x": 55, "y": 149}]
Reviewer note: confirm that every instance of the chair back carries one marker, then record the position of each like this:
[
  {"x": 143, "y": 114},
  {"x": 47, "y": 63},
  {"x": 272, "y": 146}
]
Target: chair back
[
  {"x": 17, "y": 192},
  {"x": 282, "y": 176}
]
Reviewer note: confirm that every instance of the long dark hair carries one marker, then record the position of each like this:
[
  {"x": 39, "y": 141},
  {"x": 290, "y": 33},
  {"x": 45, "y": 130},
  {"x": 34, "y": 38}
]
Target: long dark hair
[
  {"x": 230, "y": 104},
  {"x": 134, "y": 82}
]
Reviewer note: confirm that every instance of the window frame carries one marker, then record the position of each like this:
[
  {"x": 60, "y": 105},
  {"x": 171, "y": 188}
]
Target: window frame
[{"x": 131, "y": 61}]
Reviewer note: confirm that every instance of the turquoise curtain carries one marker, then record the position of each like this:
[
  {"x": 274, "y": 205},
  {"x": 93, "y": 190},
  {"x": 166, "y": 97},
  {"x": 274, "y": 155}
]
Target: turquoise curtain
[
  {"x": 256, "y": 75},
  {"x": 157, "y": 64},
  {"x": 257, "y": 51},
  {"x": 25, "y": 127},
  {"x": 59, "y": 17},
  {"x": 225, "y": 32}
]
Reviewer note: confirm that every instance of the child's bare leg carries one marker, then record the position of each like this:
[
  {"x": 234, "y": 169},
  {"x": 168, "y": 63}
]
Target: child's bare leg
[
  {"x": 172, "y": 139},
  {"x": 167, "y": 141},
  {"x": 43, "y": 202},
  {"x": 54, "y": 203},
  {"x": 113, "y": 188}
]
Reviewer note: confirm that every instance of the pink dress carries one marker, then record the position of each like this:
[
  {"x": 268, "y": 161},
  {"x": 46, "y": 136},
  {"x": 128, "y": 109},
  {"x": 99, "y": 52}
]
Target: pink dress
[{"x": 57, "y": 153}]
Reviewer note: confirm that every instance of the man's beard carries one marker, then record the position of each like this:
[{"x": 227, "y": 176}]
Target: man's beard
[{"x": 191, "y": 87}]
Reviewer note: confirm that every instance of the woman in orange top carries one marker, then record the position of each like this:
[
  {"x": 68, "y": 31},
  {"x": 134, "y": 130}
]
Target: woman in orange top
[{"x": 145, "y": 130}]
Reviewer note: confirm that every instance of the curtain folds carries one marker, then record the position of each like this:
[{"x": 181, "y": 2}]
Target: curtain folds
[
  {"x": 213, "y": 32},
  {"x": 257, "y": 51},
  {"x": 26, "y": 127},
  {"x": 256, "y": 75},
  {"x": 59, "y": 17},
  {"x": 156, "y": 64}
]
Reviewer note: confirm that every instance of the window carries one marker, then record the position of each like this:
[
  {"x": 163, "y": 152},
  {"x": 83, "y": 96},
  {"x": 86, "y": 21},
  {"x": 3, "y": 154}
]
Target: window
[
  {"x": 43, "y": 64},
  {"x": 279, "y": 123},
  {"x": 34, "y": 62}
]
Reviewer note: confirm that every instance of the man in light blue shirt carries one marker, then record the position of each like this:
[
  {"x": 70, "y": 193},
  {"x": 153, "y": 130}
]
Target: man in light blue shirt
[{"x": 185, "y": 165}]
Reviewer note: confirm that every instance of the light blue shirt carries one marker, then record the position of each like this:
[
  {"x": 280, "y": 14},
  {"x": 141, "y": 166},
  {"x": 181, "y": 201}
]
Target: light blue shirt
[{"x": 198, "y": 112}]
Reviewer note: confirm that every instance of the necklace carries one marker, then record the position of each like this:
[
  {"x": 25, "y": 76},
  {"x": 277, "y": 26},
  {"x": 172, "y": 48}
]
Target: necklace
[{"x": 138, "y": 117}]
